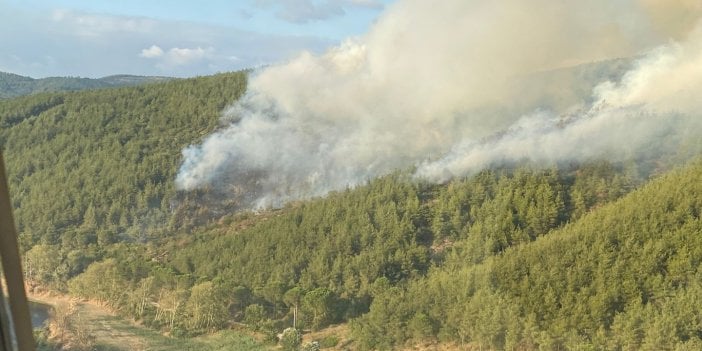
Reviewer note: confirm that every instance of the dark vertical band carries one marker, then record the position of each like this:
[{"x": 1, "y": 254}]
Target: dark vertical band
[{"x": 9, "y": 252}]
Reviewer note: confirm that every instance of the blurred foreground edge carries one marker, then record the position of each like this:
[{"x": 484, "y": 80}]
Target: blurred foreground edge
[{"x": 15, "y": 323}]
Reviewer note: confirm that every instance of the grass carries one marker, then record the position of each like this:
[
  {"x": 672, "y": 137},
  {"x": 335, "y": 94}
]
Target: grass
[
  {"x": 133, "y": 337},
  {"x": 112, "y": 333}
]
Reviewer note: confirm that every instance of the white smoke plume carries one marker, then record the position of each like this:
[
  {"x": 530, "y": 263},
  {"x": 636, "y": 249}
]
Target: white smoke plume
[{"x": 452, "y": 86}]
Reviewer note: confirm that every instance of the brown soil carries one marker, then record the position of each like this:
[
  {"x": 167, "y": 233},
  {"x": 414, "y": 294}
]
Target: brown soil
[{"x": 98, "y": 323}]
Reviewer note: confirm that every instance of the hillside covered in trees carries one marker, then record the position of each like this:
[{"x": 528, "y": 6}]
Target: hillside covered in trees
[
  {"x": 13, "y": 85},
  {"x": 95, "y": 168},
  {"x": 594, "y": 255}
]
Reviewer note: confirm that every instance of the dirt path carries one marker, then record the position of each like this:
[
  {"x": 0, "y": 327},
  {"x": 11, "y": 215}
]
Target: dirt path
[
  {"x": 106, "y": 331},
  {"x": 112, "y": 332},
  {"x": 99, "y": 324},
  {"x": 109, "y": 332}
]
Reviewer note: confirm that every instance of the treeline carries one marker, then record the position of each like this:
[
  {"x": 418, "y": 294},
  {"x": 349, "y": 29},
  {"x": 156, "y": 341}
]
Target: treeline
[{"x": 13, "y": 85}]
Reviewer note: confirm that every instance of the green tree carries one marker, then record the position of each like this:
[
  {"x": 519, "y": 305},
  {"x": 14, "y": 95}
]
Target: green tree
[
  {"x": 254, "y": 315},
  {"x": 206, "y": 307},
  {"x": 291, "y": 339},
  {"x": 319, "y": 303}
]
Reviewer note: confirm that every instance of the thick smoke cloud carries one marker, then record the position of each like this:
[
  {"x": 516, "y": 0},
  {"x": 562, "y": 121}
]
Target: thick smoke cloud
[{"x": 453, "y": 86}]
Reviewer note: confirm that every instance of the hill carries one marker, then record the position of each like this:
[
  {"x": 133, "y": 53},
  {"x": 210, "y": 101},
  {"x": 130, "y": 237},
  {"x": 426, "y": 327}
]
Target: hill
[
  {"x": 515, "y": 259},
  {"x": 13, "y": 85},
  {"x": 579, "y": 256},
  {"x": 107, "y": 158},
  {"x": 625, "y": 276}
]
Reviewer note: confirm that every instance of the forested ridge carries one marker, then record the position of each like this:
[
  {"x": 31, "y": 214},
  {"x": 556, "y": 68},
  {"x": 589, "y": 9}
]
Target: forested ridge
[
  {"x": 522, "y": 257},
  {"x": 90, "y": 169},
  {"x": 13, "y": 85}
]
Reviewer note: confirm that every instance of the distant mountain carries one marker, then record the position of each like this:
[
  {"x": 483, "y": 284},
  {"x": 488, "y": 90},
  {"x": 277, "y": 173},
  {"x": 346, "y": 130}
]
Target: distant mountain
[{"x": 13, "y": 85}]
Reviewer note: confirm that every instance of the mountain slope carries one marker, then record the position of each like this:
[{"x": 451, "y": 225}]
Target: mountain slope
[
  {"x": 517, "y": 259},
  {"x": 626, "y": 276},
  {"x": 332, "y": 257},
  {"x": 13, "y": 85},
  {"x": 526, "y": 257},
  {"x": 88, "y": 169}
]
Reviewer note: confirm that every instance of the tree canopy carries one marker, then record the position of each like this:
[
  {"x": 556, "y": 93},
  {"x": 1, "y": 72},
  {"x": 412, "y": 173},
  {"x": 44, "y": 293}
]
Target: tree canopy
[{"x": 520, "y": 257}]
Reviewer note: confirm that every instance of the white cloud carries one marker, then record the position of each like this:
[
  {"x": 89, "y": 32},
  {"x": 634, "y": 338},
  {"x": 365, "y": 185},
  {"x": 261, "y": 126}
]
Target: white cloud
[
  {"x": 153, "y": 51},
  {"x": 303, "y": 11},
  {"x": 366, "y": 3},
  {"x": 97, "y": 45},
  {"x": 94, "y": 25},
  {"x": 178, "y": 56}
]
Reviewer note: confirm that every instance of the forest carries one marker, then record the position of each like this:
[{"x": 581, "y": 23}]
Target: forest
[
  {"x": 583, "y": 256},
  {"x": 14, "y": 85}
]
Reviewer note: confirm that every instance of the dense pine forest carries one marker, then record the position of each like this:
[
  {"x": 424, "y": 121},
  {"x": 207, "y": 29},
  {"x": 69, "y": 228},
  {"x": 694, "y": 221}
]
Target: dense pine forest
[{"x": 581, "y": 256}]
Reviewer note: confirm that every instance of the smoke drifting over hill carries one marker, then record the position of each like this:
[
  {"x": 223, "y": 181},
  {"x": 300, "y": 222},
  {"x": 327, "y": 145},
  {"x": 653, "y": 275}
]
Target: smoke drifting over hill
[{"x": 453, "y": 86}]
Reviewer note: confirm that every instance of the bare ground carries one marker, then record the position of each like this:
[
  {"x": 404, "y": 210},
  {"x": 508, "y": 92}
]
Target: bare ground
[{"x": 95, "y": 325}]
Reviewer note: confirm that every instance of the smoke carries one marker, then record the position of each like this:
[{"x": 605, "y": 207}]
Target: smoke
[
  {"x": 453, "y": 86},
  {"x": 652, "y": 110}
]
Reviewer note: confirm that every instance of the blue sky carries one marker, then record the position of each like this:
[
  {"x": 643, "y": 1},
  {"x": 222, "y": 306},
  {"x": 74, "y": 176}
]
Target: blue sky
[{"x": 84, "y": 38}]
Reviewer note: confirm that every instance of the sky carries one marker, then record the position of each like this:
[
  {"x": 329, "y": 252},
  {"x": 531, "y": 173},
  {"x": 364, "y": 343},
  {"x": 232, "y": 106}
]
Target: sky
[{"x": 42, "y": 38}]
